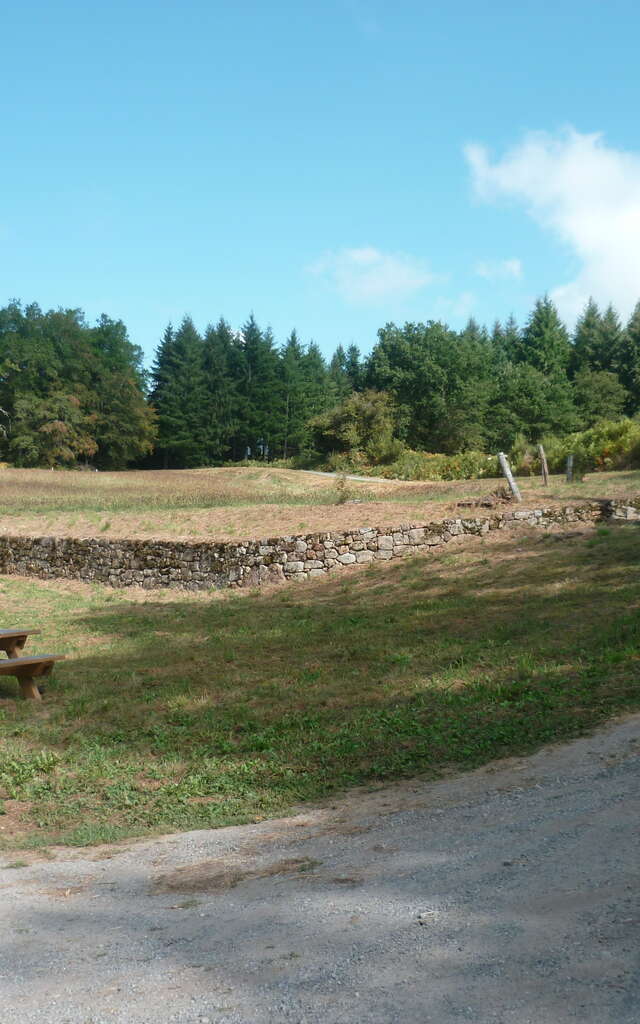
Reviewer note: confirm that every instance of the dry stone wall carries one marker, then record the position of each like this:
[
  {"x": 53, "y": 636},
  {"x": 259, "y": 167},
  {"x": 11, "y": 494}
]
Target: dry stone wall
[{"x": 199, "y": 566}]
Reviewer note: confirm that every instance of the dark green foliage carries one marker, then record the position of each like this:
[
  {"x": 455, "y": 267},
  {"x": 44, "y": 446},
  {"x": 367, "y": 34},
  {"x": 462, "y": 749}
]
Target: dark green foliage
[
  {"x": 362, "y": 425},
  {"x": 586, "y": 340},
  {"x": 222, "y": 369},
  {"x": 629, "y": 361},
  {"x": 440, "y": 383},
  {"x": 449, "y": 391},
  {"x": 598, "y": 395},
  {"x": 526, "y": 401},
  {"x": 544, "y": 343},
  {"x": 70, "y": 392},
  {"x": 354, "y": 368},
  {"x": 179, "y": 397},
  {"x": 295, "y": 431},
  {"x": 338, "y": 378}
]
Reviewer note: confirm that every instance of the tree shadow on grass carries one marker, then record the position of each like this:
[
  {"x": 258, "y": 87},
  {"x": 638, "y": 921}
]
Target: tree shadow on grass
[{"x": 239, "y": 708}]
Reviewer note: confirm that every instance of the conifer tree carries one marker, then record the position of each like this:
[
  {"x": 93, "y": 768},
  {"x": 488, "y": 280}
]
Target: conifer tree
[
  {"x": 338, "y": 380},
  {"x": 544, "y": 343},
  {"x": 353, "y": 368},
  {"x": 262, "y": 391},
  {"x": 294, "y": 428},
  {"x": 179, "y": 397},
  {"x": 598, "y": 395},
  {"x": 608, "y": 356},
  {"x": 221, "y": 401},
  {"x": 586, "y": 339},
  {"x": 629, "y": 361},
  {"x": 315, "y": 380},
  {"x": 512, "y": 337}
]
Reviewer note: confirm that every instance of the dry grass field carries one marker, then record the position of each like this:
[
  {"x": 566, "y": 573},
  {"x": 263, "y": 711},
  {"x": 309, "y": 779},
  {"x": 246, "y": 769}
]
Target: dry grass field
[{"x": 244, "y": 502}]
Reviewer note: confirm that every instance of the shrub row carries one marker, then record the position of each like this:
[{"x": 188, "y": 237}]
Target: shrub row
[{"x": 610, "y": 445}]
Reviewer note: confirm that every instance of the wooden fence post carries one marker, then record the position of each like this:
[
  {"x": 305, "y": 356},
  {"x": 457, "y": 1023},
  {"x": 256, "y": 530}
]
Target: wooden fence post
[
  {"x": 508, "y": 475},
  {"x": 543, "y": 466},
  {"x": 569, "y": 469}
]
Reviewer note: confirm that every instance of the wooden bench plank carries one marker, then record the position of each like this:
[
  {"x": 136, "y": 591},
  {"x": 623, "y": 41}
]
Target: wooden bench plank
[
  {"x": 11, "y": 666},
  {"x": 19, "y": 632},
  {"x": 27, "y": 669}
]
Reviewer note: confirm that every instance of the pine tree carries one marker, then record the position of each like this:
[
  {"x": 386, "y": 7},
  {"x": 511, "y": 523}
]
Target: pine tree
[
  {"x": 353, "y": 368},
  {"x": 474, "y": 333},
  {"x": 179, "y": 397},
  {"x": 505, "y": 340},
  {"x": 586, "y": 339},
  {"x": 512, "y": 337},
  {"x": 527, "y": 401},
  {"x": 221, "y": 403},
  {"x": 608, "y": 356},
  {"x": 262, "y": 392},
  {"x": 338, "y": 381},
  {"x": 629, "y": 361},
  {"x": 315, "y": 380},
  {"x": 294, "y": 427},
  {"x": 598, "y": 395},
  {"x": 544, "y": 343}
]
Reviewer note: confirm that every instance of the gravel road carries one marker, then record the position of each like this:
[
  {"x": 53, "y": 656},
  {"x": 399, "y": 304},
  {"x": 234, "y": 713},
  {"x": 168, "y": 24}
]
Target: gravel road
[{"x": 508, "y": 895}]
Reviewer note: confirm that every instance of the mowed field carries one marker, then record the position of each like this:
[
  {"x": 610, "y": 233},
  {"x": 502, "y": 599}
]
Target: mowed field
[
  {"x": 247, "y": 502},
  {"x": 181, "y": 711}
]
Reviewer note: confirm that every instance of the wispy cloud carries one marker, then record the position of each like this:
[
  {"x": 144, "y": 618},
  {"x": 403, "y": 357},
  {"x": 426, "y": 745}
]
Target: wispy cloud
[
  {"x": 499, "y": 270},
  {"x": 458, "y": 308},
  {"x": 587, "y": 194},
  {"x": 369, "y": 275}
]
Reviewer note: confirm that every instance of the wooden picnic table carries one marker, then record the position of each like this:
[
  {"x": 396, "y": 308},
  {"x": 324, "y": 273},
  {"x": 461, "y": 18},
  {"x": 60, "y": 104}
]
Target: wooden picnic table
[
  {"x": 13, "y": 640},
  {"x": 26, "y": 670}
]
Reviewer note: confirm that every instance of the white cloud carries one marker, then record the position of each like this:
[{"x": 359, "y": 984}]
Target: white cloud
[
  {"x": 369, "y": 275},
  {"x": 588, "y": 195},
  {"x": 459, "y": 308},
  {"x": 499, "y": 270}
]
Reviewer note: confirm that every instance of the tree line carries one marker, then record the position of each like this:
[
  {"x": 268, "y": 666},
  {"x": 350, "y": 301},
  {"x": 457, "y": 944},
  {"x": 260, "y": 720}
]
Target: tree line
[{"x": 71, "y": 392}]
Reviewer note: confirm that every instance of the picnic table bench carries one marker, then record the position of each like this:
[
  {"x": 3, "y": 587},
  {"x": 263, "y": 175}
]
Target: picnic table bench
[{"x": 25, "y": 670}]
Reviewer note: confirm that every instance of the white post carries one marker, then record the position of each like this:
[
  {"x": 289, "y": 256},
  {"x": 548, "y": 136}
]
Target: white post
[{"x": 506, "y": 469}]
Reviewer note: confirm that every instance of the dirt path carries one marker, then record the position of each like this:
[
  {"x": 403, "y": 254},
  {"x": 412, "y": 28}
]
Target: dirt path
[
  {"x": 351, "y": 476},
  {"x": 506, "y": 895}
]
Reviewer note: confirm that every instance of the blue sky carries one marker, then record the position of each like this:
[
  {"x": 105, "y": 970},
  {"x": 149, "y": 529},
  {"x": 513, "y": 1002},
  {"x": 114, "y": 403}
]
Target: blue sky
[{"x": 330, "y": 166}]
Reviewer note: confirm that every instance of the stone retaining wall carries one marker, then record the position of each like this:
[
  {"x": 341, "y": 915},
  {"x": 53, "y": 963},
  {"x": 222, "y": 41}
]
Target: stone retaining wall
[{"x": 199, "y": 566}]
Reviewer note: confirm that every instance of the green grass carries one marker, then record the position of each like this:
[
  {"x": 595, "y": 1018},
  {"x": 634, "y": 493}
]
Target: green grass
[{"x": 188, "y": 711}]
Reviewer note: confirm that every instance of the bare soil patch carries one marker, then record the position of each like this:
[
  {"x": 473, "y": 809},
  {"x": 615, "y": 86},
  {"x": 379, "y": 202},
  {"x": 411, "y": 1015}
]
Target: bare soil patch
[{"x": 220, "y": 874}]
